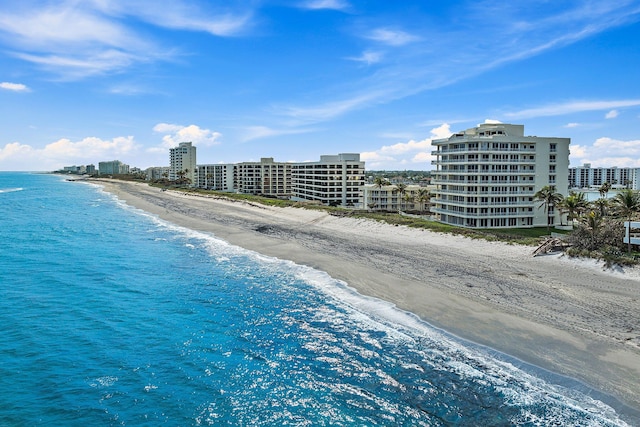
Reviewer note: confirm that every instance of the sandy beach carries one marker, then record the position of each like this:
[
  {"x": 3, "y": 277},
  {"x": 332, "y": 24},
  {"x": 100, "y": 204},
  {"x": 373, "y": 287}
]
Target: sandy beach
[{"x": 568, "y": 316}]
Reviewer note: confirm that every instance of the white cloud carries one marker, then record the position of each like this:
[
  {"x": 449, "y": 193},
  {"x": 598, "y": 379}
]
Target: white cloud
[
  {"x": 611, "y": 114},
  {"x": 572, "y": 125},
  {"x": 391, "y": 37},
  {"x": 492, "y": 122},
  {"x": 572, "y": 107},
  {"x": 403, "y": 153},
  {"x": 369, "y": 57},
  {"x": 15, "y": 87},
  {"x": 607, "y": 152},
  {"x": 175, "y": 134},
  {"x": 64, "y": 152},
  {"x": 326, "y": 4}
]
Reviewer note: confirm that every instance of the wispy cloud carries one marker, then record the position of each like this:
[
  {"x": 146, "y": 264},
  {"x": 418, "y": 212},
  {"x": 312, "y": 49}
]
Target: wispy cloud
[
  {"x": 434, "y": 56},
  {"x": 391, "y": 37},
  {"x": 14, "y": 87},
  {"x": 326, "y": 4},
  {"x": 79, "y": 39},
  {"x": 258, "y": 132},
  {"x": 571, "y": 107},
  {"x": 328, "y": 110},
  {"x": 368, "y": 57}
]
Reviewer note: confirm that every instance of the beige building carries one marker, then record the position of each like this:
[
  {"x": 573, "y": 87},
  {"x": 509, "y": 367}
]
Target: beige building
[
  {"x": 388, "y": 198},
  {"x": 486, "y": 177},
  {"x": 266, "y": 178},
  {"x": 334, "y": 180}
]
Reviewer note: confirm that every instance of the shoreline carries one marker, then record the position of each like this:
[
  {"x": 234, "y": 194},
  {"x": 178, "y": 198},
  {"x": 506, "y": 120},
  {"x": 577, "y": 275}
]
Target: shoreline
[{"x": 565, "y": 316}]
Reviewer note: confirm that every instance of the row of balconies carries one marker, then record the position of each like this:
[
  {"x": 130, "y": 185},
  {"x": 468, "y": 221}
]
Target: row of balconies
[
  {"x": 444, "y": 150},
  {"x": 485, "y": 172},
  {"x": 520, "y": 214},
  {"x": 473, "y": 193},
  {"x": 467, "y": 203},
  {"x": 487, "y": 161}
]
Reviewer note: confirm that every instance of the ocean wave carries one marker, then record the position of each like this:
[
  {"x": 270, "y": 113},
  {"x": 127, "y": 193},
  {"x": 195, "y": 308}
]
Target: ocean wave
[{"x": 10, "y": 190}]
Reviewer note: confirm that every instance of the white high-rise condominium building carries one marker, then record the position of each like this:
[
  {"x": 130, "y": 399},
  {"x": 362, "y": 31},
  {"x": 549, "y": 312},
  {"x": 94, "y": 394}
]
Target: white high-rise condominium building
[
  {"x": 334, "y": 180},
  {"x": 182, "y": 162},
  {"x": 587, "y": 177},
  {"x": 114, "y": 167},
  {"x": 486, "y": 177},
  {"x": 217, "y": 177}
]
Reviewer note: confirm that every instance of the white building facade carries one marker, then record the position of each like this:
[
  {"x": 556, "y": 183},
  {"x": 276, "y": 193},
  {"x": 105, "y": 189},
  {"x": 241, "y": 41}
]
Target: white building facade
[
  {"x": 217, "y": 177},
  {"x": 182, "y": 161},
  {"x": 114, "y": 167},
  {"x": 334, "y": 180},
  {"x": 587, "y": 177},
  {"x": 486, "y": 177}
]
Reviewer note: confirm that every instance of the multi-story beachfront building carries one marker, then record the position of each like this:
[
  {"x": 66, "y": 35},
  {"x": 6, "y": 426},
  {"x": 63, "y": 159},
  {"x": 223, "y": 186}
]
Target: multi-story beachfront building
[
  {"x": 389, "y": 198},
  {"x": 182, "y": 162},
  {"x": 114, "y": 167},
  {"x": 266, "y": 177},
  {"x": 334, "y": 180},
  {"x": 157, "y": 172},
  {"x": 587, "y": 177},
  {"x": 216, "y": 177},
  {"x": 486, "y": 177}
]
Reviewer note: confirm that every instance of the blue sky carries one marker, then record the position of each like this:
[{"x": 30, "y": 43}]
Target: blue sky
[{"x": 86, "y": 81}]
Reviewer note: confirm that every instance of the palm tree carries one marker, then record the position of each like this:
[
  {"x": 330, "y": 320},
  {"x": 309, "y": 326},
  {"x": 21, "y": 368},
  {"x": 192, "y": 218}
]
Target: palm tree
[
  {"x": 592, "y": 221},
  {"x": 423, "y": 197},
  {"x": 380, "y": 182},
  {"x": 401, "y": 188},
  {"x": 549, "y": 197},
  {"x": 601, "y": 205},
  {"x": 604, "y": 190},
  {"x": 574, "y": 204},
  {"x": 409, "y": 198},
  {"x": 626, "y": 204}
]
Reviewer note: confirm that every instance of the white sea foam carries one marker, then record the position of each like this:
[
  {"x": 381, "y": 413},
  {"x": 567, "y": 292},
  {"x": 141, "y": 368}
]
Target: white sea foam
[{"x": 10, "y": 190}]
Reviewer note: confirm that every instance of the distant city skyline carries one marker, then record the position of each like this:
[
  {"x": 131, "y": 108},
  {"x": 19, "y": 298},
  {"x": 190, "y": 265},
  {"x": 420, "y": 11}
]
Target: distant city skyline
[{"x": 83, "y": 82}]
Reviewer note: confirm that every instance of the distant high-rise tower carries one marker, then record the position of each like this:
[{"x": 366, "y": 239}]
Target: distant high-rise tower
[{"x": 183, "y": 163}]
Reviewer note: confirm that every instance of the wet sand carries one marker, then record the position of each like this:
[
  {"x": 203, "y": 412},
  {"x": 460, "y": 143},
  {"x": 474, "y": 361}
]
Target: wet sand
[{"x": 568, "y": 316}]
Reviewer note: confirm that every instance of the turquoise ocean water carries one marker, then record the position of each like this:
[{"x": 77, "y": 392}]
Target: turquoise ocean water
[{"x": 109, "y": 316}]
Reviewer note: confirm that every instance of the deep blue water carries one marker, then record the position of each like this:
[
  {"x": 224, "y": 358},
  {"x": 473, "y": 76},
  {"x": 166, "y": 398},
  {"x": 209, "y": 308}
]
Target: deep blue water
[{"x": 109, "y": 316}]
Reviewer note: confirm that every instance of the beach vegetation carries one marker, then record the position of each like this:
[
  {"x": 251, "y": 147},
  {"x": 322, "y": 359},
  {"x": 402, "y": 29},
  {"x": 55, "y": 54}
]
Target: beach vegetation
[{"x": 626, "y": 204}]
